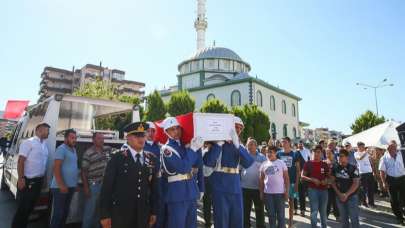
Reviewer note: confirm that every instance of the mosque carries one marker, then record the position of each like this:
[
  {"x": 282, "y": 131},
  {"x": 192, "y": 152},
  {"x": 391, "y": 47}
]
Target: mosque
[{"x": 219, "y": 72}]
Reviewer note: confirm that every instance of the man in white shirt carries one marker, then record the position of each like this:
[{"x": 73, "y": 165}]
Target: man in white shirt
[
  {"x": 33, "y": 156},
  {"x": 366, "y": 175},
  {"x": 392, "y": 171}
]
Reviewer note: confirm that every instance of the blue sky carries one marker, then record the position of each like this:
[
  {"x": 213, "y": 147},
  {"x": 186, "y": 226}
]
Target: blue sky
[{"x": 315, "y": 49}]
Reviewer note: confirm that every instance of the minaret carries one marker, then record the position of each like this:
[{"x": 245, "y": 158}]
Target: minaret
[{"x": 200, "y": 24}]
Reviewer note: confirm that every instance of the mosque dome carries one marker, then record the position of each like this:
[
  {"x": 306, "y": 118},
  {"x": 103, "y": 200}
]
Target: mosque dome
[
  {"x": 216, "y": 52},
  {"x": 214, "y": 58}
]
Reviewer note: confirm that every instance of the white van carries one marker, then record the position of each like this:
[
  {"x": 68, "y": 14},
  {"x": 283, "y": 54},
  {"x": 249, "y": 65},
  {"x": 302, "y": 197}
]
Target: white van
[{"x": 61, "y": 112}]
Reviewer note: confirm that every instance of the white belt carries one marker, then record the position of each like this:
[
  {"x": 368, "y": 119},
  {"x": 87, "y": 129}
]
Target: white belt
[
  {"x": 179, "y": 177},
  {"x": 227, "y": 170}
]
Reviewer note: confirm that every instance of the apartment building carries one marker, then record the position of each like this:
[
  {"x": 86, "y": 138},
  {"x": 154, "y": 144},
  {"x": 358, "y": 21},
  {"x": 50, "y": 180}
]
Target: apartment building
[{"x": 62, "y": 81}]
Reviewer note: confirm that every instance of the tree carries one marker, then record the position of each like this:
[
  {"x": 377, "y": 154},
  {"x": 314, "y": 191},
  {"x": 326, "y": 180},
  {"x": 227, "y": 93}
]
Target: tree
[
  {"x": 365, "y": 121},
  {"x": 135, "y": 101},
  {"x": 129, "y": 99},
  {"x": 214, "y": 106},
  {"x": 257, "y": 123},
  {"x": 180, "y": 103},
  {"x": 239, "y": 112},
  {"x": 127, "y": 118},
  {"x": 105, "y": 90},
  {"x": 260, "y": 123},
  {"x": 156, "y": 109},
  {"x": 97, "y": 89}
]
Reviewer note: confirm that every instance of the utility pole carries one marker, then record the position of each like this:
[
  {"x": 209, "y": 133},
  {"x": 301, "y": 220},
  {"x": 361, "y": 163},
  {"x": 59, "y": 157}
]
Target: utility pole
[{"x": 379, "y": 85}]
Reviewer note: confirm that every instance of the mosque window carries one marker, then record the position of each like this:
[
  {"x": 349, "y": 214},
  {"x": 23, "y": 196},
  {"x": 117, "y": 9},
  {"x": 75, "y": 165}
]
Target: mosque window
[
  {"x": 211, "y": 64},
  {"x": 210, "y": 96},
  {"x": 272, "y": 103},
  {"x": 224, "y": 65},
  {"x": 235, "y": 98},
  {"x": 294, "y": 112},
  {"x": 283, "y": 107},
  {"x": 273, "y": 131},
  {"x": 196, "y": 65},
  {"x": 285, "y": 131},
  {"x": 259, "y": 98},
  {"x": 185, "y": 68},
  {"x": 237, "y": 67}
]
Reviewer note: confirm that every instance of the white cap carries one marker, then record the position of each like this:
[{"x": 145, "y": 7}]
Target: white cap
[
  {"x": 151, "y": 125},
  {"x": 238, "y": 120},
  {"x": 169, "y": 122}
]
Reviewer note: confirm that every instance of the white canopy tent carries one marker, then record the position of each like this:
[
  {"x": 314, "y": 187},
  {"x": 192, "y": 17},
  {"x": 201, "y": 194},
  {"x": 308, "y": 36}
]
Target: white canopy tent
[{"x": 378, "y": 136}]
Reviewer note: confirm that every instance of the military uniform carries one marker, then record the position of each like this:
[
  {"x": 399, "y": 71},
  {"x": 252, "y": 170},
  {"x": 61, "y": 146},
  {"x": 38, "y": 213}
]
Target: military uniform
[
  {"x": 225, "y": 158},
  {"x": 182, "y": 182},
  {"x": 154, "y": 148},
  {"x": 225, "y": 183},
  {"x": 130, "y": 191}
]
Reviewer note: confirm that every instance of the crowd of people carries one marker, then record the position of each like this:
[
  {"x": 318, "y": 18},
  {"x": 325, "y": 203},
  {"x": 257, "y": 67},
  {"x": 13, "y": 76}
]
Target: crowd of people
[
  {"x": 334, "y": 179},
  {"x": 145, "y": 184},
  {"x": 288, "y": 175}
]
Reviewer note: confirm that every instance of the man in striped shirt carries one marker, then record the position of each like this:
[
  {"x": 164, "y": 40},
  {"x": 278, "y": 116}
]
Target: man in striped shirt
[{"x": 93, "y": 166}]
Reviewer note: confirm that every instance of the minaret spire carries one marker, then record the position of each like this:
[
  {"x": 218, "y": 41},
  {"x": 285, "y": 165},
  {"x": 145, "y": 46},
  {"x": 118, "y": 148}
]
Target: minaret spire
[{"x": 200, "y": 24}]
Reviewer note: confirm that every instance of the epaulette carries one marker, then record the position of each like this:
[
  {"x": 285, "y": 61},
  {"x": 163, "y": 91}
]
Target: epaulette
[
  {"x": 149, "y": 154},
  {"x": 124, "y": 147},
  {"x": 150, "y": 159},
  {"x": 166, "y": 151},
  {"x": 123, "y": 150},
  {"x": 115, "y": 151}
]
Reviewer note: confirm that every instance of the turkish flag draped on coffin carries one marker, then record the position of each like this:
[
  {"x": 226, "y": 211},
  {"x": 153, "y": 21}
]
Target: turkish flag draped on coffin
[
  {"x": 186, "y": 123},
  {"x": 14, "y": 109}
]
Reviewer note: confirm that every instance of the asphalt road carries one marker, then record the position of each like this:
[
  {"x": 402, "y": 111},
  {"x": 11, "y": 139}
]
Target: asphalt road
[{"x": 379, "y": 217}]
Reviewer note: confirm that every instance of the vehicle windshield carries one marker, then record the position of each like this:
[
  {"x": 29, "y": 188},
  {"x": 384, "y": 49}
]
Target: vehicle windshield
[
  {"x": 87, "y": 116},
  {"x": 7, "y": 128}
]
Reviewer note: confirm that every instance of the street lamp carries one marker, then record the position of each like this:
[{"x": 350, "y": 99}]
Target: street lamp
[{"x": 379, "y": 85}]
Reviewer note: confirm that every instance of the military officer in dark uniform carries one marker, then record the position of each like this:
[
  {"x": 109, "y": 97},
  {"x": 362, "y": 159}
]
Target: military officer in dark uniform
[{"x": 130, "y": 193}]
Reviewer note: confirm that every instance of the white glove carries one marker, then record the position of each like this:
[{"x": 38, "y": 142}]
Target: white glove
[
  {"x": 196, "y": 143},
  {"x": 235, "y": 138},
  {"x": 201, "y": 195},
  {"x": 204, "y": 150},
  {"x": 220, "y": 143}
]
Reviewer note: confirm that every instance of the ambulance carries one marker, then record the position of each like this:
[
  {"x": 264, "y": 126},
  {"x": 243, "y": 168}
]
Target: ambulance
[{"x": 61, "y": 112}]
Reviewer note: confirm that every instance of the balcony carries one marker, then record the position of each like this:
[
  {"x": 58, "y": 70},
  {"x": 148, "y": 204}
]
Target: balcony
[
  {"x": 123, "y": 82},
  {"x": 67, "y": 80},
  {"x": 43, "y": 82},
  {"x": 53, "y": 89},
  {"x": 131, "y": 92},
  {"x": 60, "y": 90}
]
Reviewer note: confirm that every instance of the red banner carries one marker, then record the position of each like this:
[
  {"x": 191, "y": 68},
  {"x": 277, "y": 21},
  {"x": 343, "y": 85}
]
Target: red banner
[
  {"x": 186, "y": 123},
  {"x": 14, "y": 109}
]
